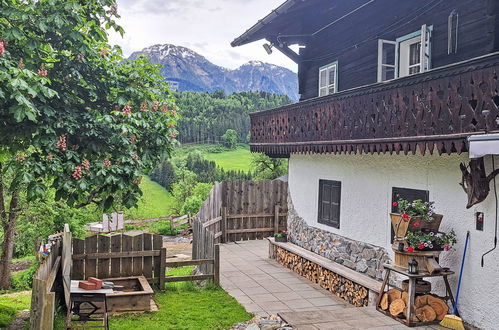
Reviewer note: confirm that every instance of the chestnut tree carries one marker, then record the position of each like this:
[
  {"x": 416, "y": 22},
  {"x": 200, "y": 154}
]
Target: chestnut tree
[{"x": 75, "y": 118}]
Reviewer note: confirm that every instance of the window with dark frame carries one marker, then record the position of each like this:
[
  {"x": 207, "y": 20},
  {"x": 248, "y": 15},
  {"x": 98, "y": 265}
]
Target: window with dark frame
[
  {"x": 329, "y": 203},
  {"x": 408, "y": 194}
]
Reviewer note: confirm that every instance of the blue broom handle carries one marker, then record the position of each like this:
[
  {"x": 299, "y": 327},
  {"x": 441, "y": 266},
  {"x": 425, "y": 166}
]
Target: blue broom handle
[{"x": 461, "y": 272}]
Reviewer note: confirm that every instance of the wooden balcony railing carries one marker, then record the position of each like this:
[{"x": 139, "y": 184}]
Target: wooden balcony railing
[{"x": 438, "y": 110}]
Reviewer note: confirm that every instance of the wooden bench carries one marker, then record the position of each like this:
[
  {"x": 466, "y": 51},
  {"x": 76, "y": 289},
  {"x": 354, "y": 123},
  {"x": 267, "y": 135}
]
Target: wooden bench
[{"x": 369, "y": 283}]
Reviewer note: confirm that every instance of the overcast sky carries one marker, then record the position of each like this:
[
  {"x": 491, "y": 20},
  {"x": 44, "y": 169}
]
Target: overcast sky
[{"x": 205, "y": 26}]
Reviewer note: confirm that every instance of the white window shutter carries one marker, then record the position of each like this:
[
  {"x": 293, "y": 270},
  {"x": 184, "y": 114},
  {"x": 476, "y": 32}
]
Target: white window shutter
[
  {"x": 425, "y": 48},
  {"x": 387, "y": 59}
]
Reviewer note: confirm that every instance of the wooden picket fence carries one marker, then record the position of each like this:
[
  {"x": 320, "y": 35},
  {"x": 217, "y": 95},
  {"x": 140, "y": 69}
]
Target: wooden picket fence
[
  {"x": 239, "y": 210},
  {"x": 43, "y": 297},
  {"x": 120, "y": 256}
]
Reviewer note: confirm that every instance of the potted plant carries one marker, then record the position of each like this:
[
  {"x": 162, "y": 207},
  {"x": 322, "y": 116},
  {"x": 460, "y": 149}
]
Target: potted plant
[
  {"x": 281, "y": 236},
  {"x": 414, "y": 216},
  {"x": 424, "y": 240}
]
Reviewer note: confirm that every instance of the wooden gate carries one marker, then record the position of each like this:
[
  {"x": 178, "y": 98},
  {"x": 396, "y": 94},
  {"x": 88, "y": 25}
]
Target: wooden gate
[{"x": 120, "y": 256}]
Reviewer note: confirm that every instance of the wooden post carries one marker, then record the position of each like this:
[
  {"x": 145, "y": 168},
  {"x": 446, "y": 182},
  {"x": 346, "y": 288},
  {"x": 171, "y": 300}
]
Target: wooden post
[
  {"x": 216, "y": 266},
  {"x": 224, "y": 225},
  {"x": 276, "y": 219},
  {"x": 162, "y": 267}
]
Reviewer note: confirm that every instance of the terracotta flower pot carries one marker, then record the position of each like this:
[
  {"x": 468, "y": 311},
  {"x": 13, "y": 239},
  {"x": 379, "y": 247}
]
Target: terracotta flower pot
[{"x": 401, "y": 226}]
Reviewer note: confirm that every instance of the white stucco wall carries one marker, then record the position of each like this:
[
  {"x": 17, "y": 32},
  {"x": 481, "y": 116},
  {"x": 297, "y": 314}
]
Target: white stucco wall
[{"x": 367, "y": 182}]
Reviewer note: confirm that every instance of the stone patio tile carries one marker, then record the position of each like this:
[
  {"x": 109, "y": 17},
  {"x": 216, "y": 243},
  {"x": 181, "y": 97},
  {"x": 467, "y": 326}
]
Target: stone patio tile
[
  {"x": 300, "y": 287},
  {"x": 272, "y": 305},
  {"x": 305, "y": 309},
  {"x": 291, "y": 281},
  {"x": 255, "y": 290},
  {"x": 326, "y": 301},
  {"x": 276, "y": 288},
  {"x": 310, "y": 317},
  {"x": 287, "y": 295},
  {"x": 298, "y": 303},
  {"x": 252, "y": 307},
  {"x": 246, "y": 284},
  {"x": 262, "y": 278},
  {"x": 263, "y": 297},
  {"x": 244, "y": 299},
  {"x": 385, "y": 320},
  {"x": 236, "y": 293},
  {"x": 332, "y": 326},
  {"x": 311, "y": 294},
  {"x": 364, "y": 323}
]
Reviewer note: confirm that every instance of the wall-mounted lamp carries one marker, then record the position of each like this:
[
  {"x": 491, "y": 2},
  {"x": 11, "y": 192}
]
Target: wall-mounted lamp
[{"x": 268, "y": 48}]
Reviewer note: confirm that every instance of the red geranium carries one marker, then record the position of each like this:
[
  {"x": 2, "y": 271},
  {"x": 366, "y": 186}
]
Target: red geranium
[
  {"x": 395, "y": 204},
  {"x": 421, "y": 246},
  {"x": 405, "y": 216},
  {"x": 417, "y": 224},
  {"x": 410, "y": 249}
]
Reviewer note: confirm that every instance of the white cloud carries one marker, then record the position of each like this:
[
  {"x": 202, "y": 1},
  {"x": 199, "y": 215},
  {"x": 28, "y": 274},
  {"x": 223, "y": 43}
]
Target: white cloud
[{"x": 206, "y": 26}]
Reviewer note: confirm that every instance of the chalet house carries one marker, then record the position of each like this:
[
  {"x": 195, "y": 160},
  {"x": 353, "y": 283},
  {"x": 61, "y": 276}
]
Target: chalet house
[{"x": 391, "y": 90}]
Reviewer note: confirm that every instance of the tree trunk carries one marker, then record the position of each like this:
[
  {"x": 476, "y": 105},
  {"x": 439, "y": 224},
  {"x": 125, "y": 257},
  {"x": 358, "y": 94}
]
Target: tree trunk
[{"x": 9, "y": 227}]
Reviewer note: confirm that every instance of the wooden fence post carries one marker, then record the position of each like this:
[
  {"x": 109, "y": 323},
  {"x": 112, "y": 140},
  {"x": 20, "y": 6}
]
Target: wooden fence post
[
  {"x": 162, "y": 267},
  {"x": 276, "y": 219},
  {"x": 224, "y": 225},
  {"x": 216, "y": 266}
]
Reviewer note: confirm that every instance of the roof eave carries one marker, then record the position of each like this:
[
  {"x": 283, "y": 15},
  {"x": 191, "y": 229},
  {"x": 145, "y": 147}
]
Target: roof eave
[{"x": 246, "y": 37}]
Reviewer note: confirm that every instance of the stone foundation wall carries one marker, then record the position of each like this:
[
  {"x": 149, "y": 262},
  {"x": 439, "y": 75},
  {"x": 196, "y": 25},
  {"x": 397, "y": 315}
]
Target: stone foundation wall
[{"x": 361, "y": 257}]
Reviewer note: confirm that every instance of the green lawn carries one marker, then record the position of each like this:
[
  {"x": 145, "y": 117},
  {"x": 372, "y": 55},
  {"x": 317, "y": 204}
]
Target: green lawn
[
  {"x": 11, "y": 304},
  {"x": 155, "y": 202},
  {"x": 183, "y": 305},
  {"x": 238, "y": 160}
]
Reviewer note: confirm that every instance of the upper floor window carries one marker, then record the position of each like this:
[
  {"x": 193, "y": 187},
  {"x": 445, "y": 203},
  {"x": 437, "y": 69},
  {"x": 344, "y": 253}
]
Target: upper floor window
[
  {"x": 328, "y": 79},
  {"x": 407, "y": 55}
]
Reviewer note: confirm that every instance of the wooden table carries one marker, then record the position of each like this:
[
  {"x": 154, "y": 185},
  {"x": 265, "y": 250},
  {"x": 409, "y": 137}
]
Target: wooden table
[
  {"x": 78, "y": 297},
  {"x": 412, "y": 292}
]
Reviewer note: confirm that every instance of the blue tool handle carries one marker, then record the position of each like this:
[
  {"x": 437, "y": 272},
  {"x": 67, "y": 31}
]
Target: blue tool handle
[{"x": 461, "y": 271}]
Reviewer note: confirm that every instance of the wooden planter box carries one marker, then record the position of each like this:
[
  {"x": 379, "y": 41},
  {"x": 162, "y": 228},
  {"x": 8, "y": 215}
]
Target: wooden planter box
[
  {"x": 281, "y": 239},
  {"x": 401, "y": 227},
  {"x": 402, "y": 259},
  {"x": 134, "y": 297}
]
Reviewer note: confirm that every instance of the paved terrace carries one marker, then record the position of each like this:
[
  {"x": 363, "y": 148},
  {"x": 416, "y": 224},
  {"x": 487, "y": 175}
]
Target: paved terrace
[{"x": 264, "y": 287}]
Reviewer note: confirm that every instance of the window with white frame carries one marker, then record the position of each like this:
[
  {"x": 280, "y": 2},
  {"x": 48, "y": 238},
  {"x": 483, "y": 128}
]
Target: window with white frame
[
  {"x": 328, "y": 79},
  {"x": 407, "y": 55}
]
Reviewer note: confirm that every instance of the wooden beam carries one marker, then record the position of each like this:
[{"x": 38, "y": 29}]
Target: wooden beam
[
  {"x": 188, "y": 278},
  {"x": 260, "y": 215},
  {"x": 250, "y": 230},
  {"x": 211, "y": 222},
  {"x": 173, "y": 264},
  {"x": 216, "y": 266},
  {"x": 114, "y": 255}
]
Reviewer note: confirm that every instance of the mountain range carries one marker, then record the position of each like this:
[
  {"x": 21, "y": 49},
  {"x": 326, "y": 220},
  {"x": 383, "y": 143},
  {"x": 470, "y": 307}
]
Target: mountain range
[{"x": 190, "y": 71}]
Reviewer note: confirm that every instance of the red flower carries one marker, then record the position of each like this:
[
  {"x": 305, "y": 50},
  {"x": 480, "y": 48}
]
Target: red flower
[
  {"x": 42, "y": 72},
  {"x": 2, "y": 47},
  {"x": 104, "y": 52},
  {"x": 417, "y": 224},
  {"x": 143, "y": 106},
  {"x": 410, "y": 249},
  {"x": 405, "y": 216},
  {"x": 395, "y": 204},
  {"x": 155, "y": 105},
  {"x": 77, "y": 174},
  {"x": 421, "y": 246},
  {"x": 127, "y": 110},
  {"x": 106, "y": 162},
  {"x": 164, "y": 109},
  {"x": 85, "y": 164},
  {"x": 133, "y": 138}
]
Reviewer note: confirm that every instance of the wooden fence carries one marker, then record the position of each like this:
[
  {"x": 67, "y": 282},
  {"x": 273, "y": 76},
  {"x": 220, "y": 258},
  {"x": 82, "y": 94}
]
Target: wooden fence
[
  {"x": 211, "y": 267},
  {"x": 120, "y": 256},
  {"x": 239, "y": 210},
  {"x": 43, "y": 297}
]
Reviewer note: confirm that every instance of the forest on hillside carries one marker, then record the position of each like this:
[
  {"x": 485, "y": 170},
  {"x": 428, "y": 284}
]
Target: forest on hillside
[{"x": 206, "y": 117}]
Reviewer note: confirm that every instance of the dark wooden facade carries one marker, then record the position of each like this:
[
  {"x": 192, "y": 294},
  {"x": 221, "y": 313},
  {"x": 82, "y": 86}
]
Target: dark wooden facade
[
  {"x": 432, "y": 111},
  {"x": 353, "y": 41}
]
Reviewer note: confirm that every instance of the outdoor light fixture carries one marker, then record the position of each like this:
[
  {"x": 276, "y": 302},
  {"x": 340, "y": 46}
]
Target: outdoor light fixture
[
  {"x": 413, "y": 266},
  {"x": 268, "y": 48}
]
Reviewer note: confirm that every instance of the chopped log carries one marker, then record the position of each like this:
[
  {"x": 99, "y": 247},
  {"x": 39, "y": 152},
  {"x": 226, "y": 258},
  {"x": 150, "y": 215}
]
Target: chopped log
[
  {"x": 397, "y": 307},
  {"x": 439, "y": 306},
  {"x": 394, "y": 294},
  {"x": 405, "y": 297},
  {"x": 426, "y": 314},
  {"x": 433, "y": 266},
  {"x": 384, "y": 302},
  {"x": 421, "y": 301}
]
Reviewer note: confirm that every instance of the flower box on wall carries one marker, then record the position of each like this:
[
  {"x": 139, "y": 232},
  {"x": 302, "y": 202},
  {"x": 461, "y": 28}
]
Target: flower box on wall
[
  {"x": 281, "y": 239},
  {"x": 401, "y": 226}
]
